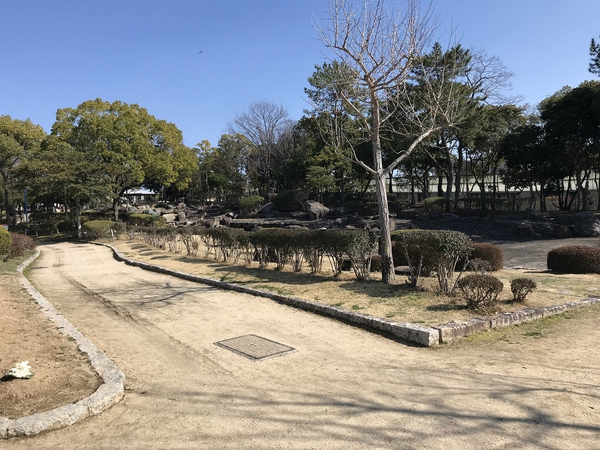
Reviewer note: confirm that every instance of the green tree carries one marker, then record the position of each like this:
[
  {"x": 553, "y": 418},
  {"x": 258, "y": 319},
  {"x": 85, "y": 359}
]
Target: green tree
[
  {"x": 58, "y": 173},
  {"x": 18, "y": 138},
  {"x": 595, "y": 57},
  {"x": 133, "y": 147},
  {"x": 572, "y": 133}
]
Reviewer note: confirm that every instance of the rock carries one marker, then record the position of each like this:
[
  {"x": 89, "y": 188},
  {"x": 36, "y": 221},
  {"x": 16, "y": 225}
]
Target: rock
[
  {"x": 212, "y": 222},
  {"x": 585, "y": 224},
  {"x": 170, "y": 217},
  {"x": 316, "y": 210},
  {"x": 226, "y": 220},
  {"x": 561, "y": 232},
  {"x": 181, "y": 217},
  {"x": 267, "y": 208}
]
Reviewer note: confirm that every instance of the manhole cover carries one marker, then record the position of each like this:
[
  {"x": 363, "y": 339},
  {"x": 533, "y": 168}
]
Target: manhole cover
[{"x": 254, "y": 347}]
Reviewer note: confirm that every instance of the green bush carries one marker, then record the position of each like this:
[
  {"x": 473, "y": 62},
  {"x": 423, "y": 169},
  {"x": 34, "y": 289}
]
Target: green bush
[
  {"x": 490, "y": 253},
  {"x": 434, "y": 204},
  {"x": 520, "y": 287},
  {"x": 145, "y": 220},
  {"x": 574, "y": 259},
  {"x": 5, "y": 242},
  {"x": 20, "y": 243},
  {"x": 480, "y": 291},
  {"x": 251, "y": 204},
  {"x": 97, "y": 229},
  {"x": 290, "y": 201},
  {"x": 440, "y": 250},
  {"x": 43, "y": 223}
]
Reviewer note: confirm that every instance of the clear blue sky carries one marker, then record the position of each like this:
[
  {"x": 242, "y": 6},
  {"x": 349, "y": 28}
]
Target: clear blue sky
[{"x": 59, "y": 53}]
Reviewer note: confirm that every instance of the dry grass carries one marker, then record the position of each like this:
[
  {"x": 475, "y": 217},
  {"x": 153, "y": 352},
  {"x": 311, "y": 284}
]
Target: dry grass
[{"x": 398, "y": 302}]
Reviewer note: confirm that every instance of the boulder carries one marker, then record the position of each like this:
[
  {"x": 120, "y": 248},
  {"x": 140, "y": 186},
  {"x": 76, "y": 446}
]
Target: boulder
[
  {"x": 267, "y": 208},
  {"x": 585, "y": 224},
  {"x": 170, "y": 217},
  {"x": 316, "y": 210}
]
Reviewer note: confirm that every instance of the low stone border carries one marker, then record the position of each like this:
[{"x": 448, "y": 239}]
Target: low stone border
[
  {"x": 410, "y": 332},
  {"x": 108, "y": 394},
  {"x": 456, "y": 329}
]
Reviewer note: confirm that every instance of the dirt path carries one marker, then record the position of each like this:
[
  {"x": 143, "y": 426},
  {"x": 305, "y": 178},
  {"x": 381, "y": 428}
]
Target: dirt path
[{"x": 341, "y": 388}]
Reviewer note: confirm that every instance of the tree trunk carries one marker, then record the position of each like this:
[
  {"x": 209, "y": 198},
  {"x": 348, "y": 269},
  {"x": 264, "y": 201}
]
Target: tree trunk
[{"x": 387, "y": 262}]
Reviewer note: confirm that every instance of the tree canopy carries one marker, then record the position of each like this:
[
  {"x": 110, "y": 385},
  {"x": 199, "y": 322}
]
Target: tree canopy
[{"x": 132, "y": 147}]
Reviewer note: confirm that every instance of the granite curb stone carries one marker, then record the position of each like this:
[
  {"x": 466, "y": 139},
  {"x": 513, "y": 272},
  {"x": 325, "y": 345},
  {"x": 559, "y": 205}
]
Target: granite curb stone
[
  {"x": 456, "y": 329},
  {"x": 108, "y": 394}
]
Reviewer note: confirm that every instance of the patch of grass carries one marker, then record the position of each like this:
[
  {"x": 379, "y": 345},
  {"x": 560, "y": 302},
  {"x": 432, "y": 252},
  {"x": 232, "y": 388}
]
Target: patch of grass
[
  {"x": 10, "y": 266},
  {"x": 277, "y": 290},
  {"x": 533, "y": 334},
  {"x": 356, "y": 307}
]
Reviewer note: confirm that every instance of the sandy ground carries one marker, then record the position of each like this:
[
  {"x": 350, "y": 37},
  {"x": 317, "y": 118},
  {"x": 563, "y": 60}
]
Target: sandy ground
[
  {"x": 342, "y": 387},
  {"x": 61, "y": 372}
]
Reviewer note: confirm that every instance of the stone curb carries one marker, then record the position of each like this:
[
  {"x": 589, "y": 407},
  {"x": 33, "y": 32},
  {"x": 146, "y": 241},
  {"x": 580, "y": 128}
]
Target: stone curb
[
  {"x": 108, "y": 394},
  {"x": 425, "y": 336},
  {"x": 456, "y": 329}
]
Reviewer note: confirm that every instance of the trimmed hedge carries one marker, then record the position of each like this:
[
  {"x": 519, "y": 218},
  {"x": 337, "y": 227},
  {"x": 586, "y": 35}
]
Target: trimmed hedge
[
  {"x": 251, "y": 204},
  {"x": 290, "y": 201},
  {"x": 145, "y": 220},
  {"x": 5, "y": 241},
  {"x": 480, "y": 291},
  {"x": 435, "y": 204},
  {"x": 490, "y": 253},
  {"x": 97, "y": 229},
  {"x": 574, "y": 259},
  {"x": 440, "y": 250}
]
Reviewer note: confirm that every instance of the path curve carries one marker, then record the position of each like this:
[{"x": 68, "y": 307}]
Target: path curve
[{"x": 342, "y": 387}]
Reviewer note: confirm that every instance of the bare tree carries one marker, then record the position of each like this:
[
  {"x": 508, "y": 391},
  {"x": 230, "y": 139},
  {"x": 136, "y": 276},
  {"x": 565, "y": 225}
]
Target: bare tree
[
  {"x": 382, "y": 49},
  {"x": 267, "y": 126}
]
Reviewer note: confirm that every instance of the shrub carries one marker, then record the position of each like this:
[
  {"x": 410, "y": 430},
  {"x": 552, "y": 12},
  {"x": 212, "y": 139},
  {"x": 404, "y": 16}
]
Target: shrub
[
  {"x": 413, "y": 248},
  {"x": 96, "y": 229},
  {"x": 145, "y": 220},
  {"x": 480, "y": 266},
  {"x": 574, "y": 259},
  {"x": 290, "y": 201},
  {"x": 442, "y": 250},
  {"x": 480, "y": 291},
  {"x": 20, "y": 243},
  {"x": 5, "y": 241},
  {"x": 434, "y": 204},
  {"x": 376, "y": 265},
  {"x": 490, "y": 253},
  {"x": 520, "y": 287},
  {"x": 251, "y": 204}
]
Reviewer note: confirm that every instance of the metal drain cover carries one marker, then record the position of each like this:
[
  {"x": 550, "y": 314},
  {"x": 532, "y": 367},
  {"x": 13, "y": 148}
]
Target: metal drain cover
[{"x": 254, "y": 347}]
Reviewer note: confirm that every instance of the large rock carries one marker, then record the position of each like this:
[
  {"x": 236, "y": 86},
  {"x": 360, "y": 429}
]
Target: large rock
[
  {"x": 586, "y": 225},
  {"x": 267, "y": 208},
  {"x": 316, "y": 210}
]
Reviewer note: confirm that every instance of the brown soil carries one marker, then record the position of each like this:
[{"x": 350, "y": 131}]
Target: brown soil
[{"x": 62, "y": 374}]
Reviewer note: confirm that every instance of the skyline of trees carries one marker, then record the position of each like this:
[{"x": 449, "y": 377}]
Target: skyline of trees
[{"x": 494, "y": 150}]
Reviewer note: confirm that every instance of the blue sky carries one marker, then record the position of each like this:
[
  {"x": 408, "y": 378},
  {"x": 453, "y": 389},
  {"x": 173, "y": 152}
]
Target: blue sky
[{"x": 59, "y": 53}]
